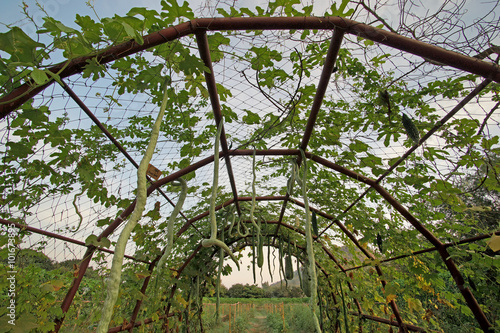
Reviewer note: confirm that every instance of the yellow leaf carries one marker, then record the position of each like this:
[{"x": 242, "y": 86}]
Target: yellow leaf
[
  {"x": 494, "y": 243},
  {"x": 142, "y": 275},
  {"x": 181, "y": 300},
  {"x": 390, "y": 298},
  {"x": 57, "y": 284},
  {"x": 479, "y": 209},
  {"x": 414, "y": 304}
]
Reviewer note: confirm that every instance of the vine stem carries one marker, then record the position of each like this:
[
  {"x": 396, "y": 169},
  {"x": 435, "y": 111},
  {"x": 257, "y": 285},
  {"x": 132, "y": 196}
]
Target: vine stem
[
  {"x": 121, "y": 244},
  {"x": 252, "y": 210},
  {"x": 80, "y": 217},
  {"x": 213, "y": 221},
  {"x": 309, "y": 248}
]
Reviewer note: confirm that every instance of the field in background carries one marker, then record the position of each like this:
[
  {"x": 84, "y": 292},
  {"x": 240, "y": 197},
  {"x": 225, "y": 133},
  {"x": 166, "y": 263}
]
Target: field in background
[{"x": 258, "y": 315}]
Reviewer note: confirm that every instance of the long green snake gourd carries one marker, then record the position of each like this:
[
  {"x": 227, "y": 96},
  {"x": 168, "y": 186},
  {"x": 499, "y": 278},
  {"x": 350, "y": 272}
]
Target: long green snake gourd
[
  {"x": 309, "y": 240},
  {"x": 170, "y": 225},
  {"x": 116, "y": 267},
  {"x": 213, "y": 222}
]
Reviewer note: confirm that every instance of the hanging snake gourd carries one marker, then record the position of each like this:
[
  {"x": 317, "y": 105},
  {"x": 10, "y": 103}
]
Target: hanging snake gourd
[
  {"x": 269, "y": 256},
  {"x": 309, "y": 248},
  {"x": 252, "y": 209},
  {"x": 116, "y": 266},
  {"x": 170, "y": 224},
  {"x": 219, "y": 273},
  {"x": 314, "y": 221},
  {"x": 260, "y": 251},
  {"x": 213, "y": 222},
  {"x": 288, "y": 264}
]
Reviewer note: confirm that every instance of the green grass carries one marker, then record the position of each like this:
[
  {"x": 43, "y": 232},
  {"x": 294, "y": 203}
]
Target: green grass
[{"x": 238, "y": 324}]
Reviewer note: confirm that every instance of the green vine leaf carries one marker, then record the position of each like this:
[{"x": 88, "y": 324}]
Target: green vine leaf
[
  {"x": 20, "y": 46},
  {"x": 172, "y": 11},
  {"x": 92, "y": 240},
  {"x": 39, "y": 76},
  {"x": 340, "y": 11}
]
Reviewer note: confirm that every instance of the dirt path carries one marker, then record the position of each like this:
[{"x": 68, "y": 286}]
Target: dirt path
[{"x": 258, "y": 324}]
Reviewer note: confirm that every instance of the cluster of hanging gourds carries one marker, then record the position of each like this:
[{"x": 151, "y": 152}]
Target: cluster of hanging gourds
[{"x": 308, "y": 277}]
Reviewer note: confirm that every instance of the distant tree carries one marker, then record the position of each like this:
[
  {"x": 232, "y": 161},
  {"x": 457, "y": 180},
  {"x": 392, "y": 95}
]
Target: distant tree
[
  {"x": 236, "y": 290},
  {"x": 253, "y": 291},
  {"x": 296, "y": 292},
  {"x": 223, "y": 291},
  {"x": 26, "y": 257},
  {"x": 72, "y": 265},
  {"x": 245, "y": 291}
]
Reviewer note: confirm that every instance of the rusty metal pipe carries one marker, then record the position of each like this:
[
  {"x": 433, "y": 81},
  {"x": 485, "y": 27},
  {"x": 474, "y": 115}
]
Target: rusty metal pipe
[
  {"x": 431, "y": 249},
  {"x": 329, "y": 65},
  {"x": 202, "y": 40},
  {"x": 445, "y": 256},
  {"x": 368, "y": 254},
  {"x": 410, "y": 327},
  {"x": 68, "y": 299},
  {"x": 63, "y": 238}
]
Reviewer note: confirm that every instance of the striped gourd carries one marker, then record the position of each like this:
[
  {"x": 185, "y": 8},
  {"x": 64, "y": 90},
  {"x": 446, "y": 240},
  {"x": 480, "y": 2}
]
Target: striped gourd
[
  {"x": 411, "y": 129},
  {"x": 298, "y": 272},
  {"x": 288, "y": 263},
  {"x": 306, "y": 280},
  {"x": 314, "y": 224},
  {"x": 260, "y": 251},
  {"x": 253, "y": 254},
  {"x": 269, "y": 256},
  {"x": 288, "y": 267}
]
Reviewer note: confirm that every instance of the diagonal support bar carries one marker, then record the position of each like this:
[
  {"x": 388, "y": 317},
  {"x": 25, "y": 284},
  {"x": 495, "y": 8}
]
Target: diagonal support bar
[
  {"x": 202, "y": 40},
  {"x": 63, "y": 238},
  {"x": 104, "y": 130},
  {"x": 326, "y": 74}
]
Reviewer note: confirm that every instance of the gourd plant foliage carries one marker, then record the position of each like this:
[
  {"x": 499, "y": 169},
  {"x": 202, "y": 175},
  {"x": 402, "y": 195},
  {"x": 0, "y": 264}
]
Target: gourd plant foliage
[{"x": 376, "y": 116}]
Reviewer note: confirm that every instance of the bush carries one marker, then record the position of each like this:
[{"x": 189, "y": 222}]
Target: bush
[
  {"x": 275, "y": 322},
  {"x": 300, "y": 319}
]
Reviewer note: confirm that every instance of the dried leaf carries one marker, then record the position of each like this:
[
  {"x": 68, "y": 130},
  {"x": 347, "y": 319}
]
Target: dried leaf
[{"x": 494, "y": 243}]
